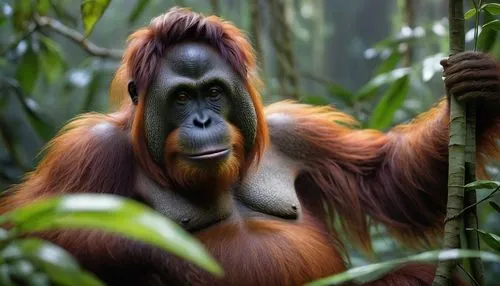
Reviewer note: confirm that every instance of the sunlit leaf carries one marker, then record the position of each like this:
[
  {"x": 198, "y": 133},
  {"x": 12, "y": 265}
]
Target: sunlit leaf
[
  {"x": 469, "y": 14},
  {"x": 114, "y": 214},
  {"x": 390, "y": 102},
  {"x": 42, "y": 6},
  {"x": 483, "y": 184},
  {"x": 492, "y": 8},
  {"x": 138, "y": 9},
  {"x": 367, "y": 273},
  {"x": 51, "y": 61},
  {"x": 494, "y": 25},
  {"x": 495, "y": 206},
  {"x": 92, "y": 11},
  {"x": 54, "y": 261},
  {"x": 23, "y": 9},
  {"x": 27, "y": 71},
  {"x": 380, "y": 80},
  {"x": 491, "y": 239}
]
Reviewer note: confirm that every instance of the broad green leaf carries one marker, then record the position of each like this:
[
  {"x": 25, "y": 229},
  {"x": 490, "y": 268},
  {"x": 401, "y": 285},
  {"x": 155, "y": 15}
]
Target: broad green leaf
[
  {"x": 483, "y": 184},
  {"x": 51, "y": 61},
  {"x": 492, "y": 8},
  {"x": 92, "y": 11},
  {"x": 381, "y": 80},
  {"x": 138, "y": 9},
  {"x": 486, "y": 40},
  {"x": 390, "y": 63},
  {"x": 469, "y": 14},
  {"x": 54, "y": 261},
  {"x": 114, "y": 214},
  {"x": 23, "y": 9},
  {"x": 340, "y": 92},
  {"x": 491, "y": 239},
  {"x": 371, "y": 272},
  {"x": 42, "y": 6},
  {"x": 27, "y": 71},
  {"x": 495, "y": 206},
  {"x": 390, "y": 102},
  {"x": 495, "y": 25}
]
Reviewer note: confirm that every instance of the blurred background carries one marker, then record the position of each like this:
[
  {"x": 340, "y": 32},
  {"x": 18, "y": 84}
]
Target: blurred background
[{"x": 377, "y": 60}]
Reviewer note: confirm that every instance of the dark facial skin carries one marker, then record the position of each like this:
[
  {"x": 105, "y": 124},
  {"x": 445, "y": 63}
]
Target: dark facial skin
[{"x": 197, "y": 92}]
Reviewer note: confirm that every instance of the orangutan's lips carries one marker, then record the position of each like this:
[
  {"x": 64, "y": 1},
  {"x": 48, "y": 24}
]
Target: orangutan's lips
[{"x": 209, "y": 154}]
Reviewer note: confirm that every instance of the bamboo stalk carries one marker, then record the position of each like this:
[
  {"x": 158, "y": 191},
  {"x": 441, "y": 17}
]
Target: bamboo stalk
[{"x": 456, "y": 159}]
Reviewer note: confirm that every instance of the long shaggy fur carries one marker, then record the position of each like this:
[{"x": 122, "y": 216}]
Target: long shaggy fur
[{"x": 397, "y": 178}]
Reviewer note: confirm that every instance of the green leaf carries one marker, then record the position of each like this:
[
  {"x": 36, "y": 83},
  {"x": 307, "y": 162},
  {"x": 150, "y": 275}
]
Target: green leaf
[
  {"x": 23, "y": 10},
  {"x": 390, "y": 102},
  {"x": 492, "y": 240},
  {"x": 492, "y": 8},
  {"x": 483, "y": 184},
  {"x": 114, "y": 214},
  {"x": 27, "y": 71},
  {"x": 35, "y": 117},
  {"x": 494, "y": 25},
  {"x": 341, "y": 93},
  {"x": 495, "y": 206},
  {"x": 42, "y": 6},
  {"x": 469, "y": 14},
  {"x": 367, "y": 273},
  {"x": 51, "y": 61},
  {"x": 389, "y": 64},
  {"x": 54, "y": 261},
  {"x": 138, "y": 9},
  {"x": 92, "y": 11},
  {"x": 486, "y": 40},
  {"x": 367, "y": 90}
]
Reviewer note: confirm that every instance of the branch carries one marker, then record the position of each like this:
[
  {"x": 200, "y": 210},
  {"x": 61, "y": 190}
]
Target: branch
[
  {"x": 77, "y": 37},
  {"x": 475, "y": 204}
]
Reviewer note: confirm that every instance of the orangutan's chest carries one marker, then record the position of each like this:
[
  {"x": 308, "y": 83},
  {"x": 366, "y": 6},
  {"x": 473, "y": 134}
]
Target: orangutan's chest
[{"x": 267, "y": 191}]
